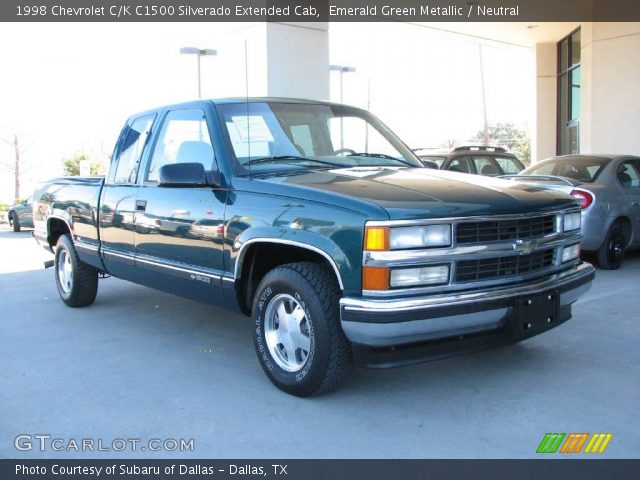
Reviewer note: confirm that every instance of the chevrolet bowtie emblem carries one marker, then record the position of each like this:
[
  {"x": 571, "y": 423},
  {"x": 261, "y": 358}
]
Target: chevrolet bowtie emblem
[{"x": 524, "y": 247}]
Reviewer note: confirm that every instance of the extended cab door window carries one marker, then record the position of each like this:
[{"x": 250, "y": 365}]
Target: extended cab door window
[
  {"x": 130, "y": 153},
  {"x": 184, "y": 138}
]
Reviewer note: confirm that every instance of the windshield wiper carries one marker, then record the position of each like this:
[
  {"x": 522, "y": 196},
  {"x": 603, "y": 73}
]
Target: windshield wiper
[
  {"x": 291, "y": 158},
  {"x": 381, "y": 155}
]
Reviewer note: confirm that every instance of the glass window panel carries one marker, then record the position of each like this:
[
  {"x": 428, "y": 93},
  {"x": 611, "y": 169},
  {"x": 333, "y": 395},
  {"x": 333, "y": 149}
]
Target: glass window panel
[
  {"x": 628, "y": 176},
  {"x": 508, "y": 165},
  {"x": 575, "y": 93},
  {"x": 484, "y": 166},
  {"x": 460, "y": 164},
  {"x": 131, "y": 150},
  {"x": 574, "y": 141},
  {"x": 564, "y": 54},
  {"x": 184, "y": 138},
  {"x": 575, "y": 48}
]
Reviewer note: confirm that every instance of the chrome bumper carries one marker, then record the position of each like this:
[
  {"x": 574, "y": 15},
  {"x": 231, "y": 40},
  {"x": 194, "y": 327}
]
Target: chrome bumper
[{"x": 381, "y": 323}]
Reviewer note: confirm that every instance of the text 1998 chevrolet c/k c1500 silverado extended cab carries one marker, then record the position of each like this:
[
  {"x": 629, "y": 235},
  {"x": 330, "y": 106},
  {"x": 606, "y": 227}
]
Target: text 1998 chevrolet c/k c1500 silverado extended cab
[{"x": 318, "y": 222}]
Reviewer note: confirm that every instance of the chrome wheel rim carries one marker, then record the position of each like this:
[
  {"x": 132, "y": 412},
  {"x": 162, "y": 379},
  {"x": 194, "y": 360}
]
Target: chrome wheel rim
[
  {"x": 287, "y": 333},
  {"x": 616, "y": 248},
  {"x": 65, "y": 271}
]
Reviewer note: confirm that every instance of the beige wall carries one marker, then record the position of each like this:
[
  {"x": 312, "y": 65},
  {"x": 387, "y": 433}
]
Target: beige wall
[
  {"x": 610, "y": 117},
  {"x": 610, "y": 100}
]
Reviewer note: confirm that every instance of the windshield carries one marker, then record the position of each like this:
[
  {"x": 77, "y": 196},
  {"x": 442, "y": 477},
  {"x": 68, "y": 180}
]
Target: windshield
[
  {"x": 582, "y": 169},
  {"x": 268, "y": 136}
]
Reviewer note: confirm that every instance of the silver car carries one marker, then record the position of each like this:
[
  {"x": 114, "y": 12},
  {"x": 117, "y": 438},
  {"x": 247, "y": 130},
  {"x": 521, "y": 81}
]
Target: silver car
[{"x": 607, "y": 187}]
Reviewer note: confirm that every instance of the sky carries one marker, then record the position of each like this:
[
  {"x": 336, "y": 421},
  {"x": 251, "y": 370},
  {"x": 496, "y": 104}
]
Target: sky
[{"x": 68, "y": 88}]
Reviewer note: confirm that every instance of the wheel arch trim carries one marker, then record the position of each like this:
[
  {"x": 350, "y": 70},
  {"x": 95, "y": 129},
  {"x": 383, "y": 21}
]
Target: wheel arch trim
[
  {"x": 245, "y": 246},
  {"x": 62, "y": 218}
]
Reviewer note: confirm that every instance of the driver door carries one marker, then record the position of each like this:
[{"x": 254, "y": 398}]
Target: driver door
[{"x": 179, "y": 231}]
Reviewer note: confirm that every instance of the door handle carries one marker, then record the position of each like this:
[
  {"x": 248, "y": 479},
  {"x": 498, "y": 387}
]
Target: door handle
[{"x": 141, "y": 205}]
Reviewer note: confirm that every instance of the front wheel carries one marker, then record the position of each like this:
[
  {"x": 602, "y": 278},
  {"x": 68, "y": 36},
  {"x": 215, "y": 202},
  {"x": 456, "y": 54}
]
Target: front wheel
[
  {"x": 611, "y": 252},
  {"x": 15, "y": 221},
  {"x": 77, "y": 282},
  {"x": 296, "y": 330}
]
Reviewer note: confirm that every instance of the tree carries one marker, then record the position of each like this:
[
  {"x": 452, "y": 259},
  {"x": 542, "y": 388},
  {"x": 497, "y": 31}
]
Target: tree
[
  {"x": 509, "y": 136},
  {"x": 17, "y": 165},
  {"x": 72, "y": 165}
]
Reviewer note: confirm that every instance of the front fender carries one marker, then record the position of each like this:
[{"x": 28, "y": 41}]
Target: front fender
[{"x": 347, "y": 273}]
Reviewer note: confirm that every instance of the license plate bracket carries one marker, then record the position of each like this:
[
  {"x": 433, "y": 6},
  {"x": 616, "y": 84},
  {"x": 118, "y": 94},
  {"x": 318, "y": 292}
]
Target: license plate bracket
[{"x": 538, "y": 312}]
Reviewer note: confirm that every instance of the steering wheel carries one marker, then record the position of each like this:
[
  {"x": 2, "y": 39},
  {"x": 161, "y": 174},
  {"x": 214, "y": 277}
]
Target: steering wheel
[{"x": 344, "y": 150}]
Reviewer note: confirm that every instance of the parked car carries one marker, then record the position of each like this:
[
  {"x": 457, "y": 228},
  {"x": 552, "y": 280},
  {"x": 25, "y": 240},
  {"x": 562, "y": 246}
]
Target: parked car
[
  {"x": 482, "y": 160},
  {"x": 339, "y": 252},
  {"x": 21, "y": 216},
  {"x": 607, "y": 188}
]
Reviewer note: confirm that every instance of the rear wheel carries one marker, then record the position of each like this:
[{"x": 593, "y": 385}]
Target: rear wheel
[
  {"x": 297, "y": 334},
  {"x": 611, "y": 252},
  {"x": 15, "y": 221},
  {"x": 77, "y": 282}
]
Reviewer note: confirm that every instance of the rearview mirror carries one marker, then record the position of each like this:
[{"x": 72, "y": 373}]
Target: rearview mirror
[{"x": 182, "y": 175}]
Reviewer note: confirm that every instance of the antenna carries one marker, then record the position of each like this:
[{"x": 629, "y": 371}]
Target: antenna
[{"x": 246, "y": 89}]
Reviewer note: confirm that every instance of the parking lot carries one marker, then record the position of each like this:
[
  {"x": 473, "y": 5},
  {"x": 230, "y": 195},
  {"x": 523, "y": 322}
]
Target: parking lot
[{"x": 144, "y": 364}]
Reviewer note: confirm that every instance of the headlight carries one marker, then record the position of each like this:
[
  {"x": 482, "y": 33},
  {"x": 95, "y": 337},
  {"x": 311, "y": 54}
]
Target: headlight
[
  {"x": 420, "y": 237},
  {"x": 571, "y": 252},
  {"x": 572, "y": 221},
  {"x": 410, "y": 277}
]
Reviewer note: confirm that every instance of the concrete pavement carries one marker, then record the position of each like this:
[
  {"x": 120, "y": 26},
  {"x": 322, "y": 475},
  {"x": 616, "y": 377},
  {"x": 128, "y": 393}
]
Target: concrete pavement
[{"x": 143, "y": 364}]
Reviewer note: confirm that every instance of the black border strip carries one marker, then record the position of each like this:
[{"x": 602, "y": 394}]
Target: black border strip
[
  {"x": 320, "y": 11},
  {"x": 342, "y": 469}
]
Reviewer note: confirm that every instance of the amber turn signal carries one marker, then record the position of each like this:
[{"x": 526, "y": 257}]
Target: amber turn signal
[
  {"x": 375, "y": 278},
  {"x": 376, "y": 238}
]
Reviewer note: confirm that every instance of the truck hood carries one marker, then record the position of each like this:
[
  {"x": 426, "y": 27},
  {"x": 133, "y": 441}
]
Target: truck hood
[{"x": 413, "y": 193}]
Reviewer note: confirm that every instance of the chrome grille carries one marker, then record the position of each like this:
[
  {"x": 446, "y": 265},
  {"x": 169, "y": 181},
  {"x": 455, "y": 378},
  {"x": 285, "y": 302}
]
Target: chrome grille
[
  {"x": 491, "y": 268},
  {"x": 497, "y": 230}
]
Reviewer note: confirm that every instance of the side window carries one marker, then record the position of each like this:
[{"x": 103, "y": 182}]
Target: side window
[
  {"x": 135, "y": 138},
  {"x": 628, "y": 175},
  {"x": 485, "y": 166},
  {"x": 184, "y": 138},
  {"x": 460, "y": 164},
  {"x": 508, "y": 165}
]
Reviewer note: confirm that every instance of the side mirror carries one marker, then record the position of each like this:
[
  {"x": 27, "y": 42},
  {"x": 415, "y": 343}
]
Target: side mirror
[{"x": 182, "y": 175}]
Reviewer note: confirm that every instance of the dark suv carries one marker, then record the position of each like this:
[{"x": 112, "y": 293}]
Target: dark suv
[{"x": 482, "y": 160}]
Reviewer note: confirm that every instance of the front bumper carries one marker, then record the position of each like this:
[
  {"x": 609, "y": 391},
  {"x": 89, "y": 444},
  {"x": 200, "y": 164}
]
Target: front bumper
[{"x": 503, "y": 315}]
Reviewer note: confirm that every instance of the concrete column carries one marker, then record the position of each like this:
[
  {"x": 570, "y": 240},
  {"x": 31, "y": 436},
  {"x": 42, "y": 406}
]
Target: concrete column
[
  {"x": 543, "y": 143},
  {"x": 284, "y": 60}
]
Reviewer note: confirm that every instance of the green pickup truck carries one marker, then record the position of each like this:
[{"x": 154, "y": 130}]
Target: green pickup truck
[{"x": 316, "y": 221}]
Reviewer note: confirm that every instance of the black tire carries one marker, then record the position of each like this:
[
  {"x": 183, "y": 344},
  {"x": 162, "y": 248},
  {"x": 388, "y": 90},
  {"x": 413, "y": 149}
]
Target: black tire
[
  {"x": 329, "y": 360},
  {"x": 83, "y": 287},
  {"x": 15, "y": 221},
  {"x": 611, "y": 252}
]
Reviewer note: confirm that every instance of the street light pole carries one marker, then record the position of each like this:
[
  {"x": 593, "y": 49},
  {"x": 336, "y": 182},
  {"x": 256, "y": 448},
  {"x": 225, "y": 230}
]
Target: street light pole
[
  {"x": 342, "y": 69},
  {"x": 199, "y": 52},
  {"x": 484, "y": 98}
]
